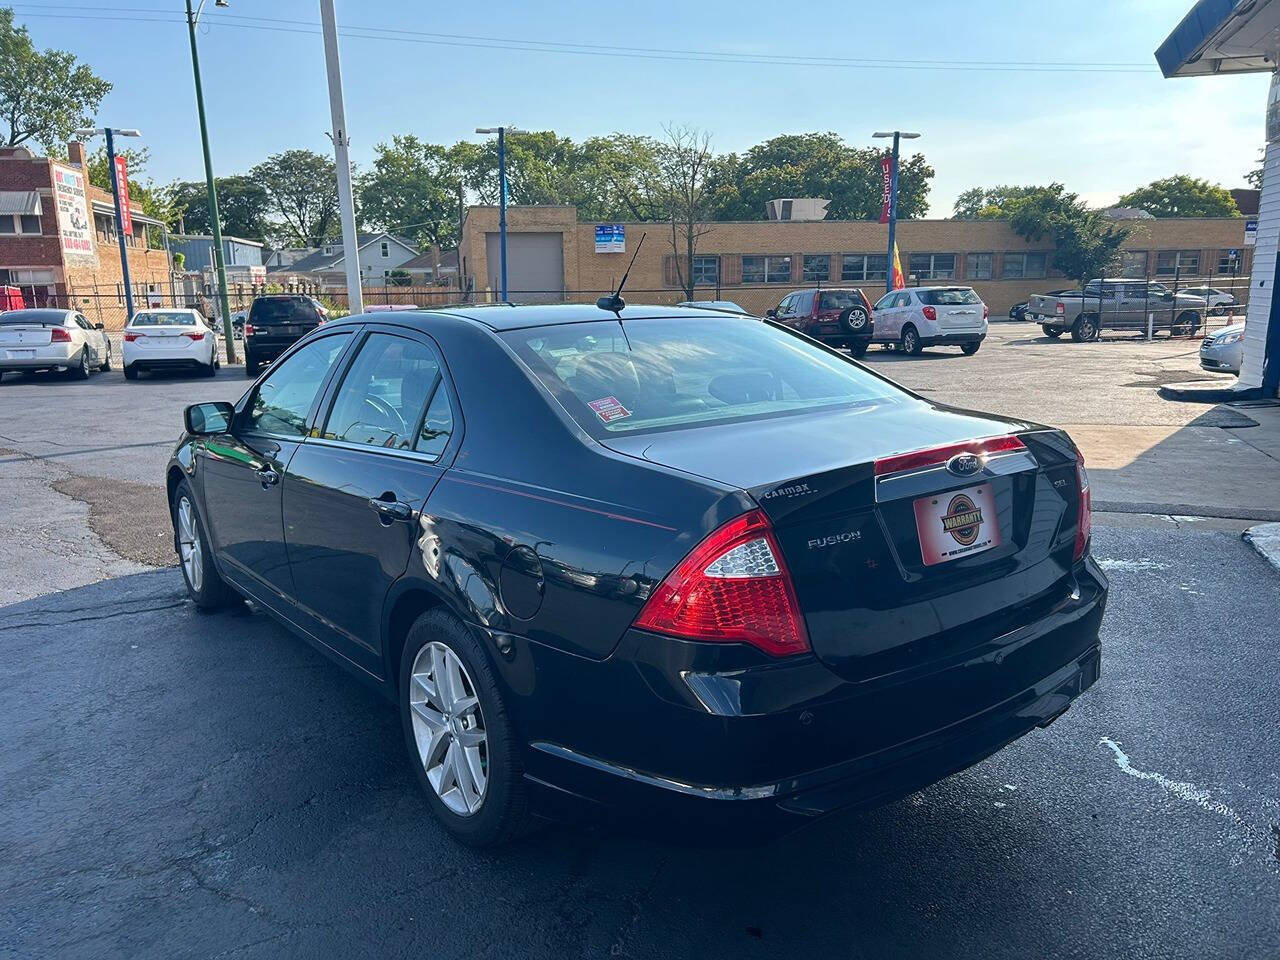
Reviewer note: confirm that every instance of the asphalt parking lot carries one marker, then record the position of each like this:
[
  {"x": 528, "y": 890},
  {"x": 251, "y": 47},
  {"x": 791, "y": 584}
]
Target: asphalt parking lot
[{"x": 177, "y": 784}]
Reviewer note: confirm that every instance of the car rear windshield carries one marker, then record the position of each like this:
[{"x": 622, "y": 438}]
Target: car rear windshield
[
  {"x": 163, "y": 318},
  {"x": 839, "y": 300},
  {"x": 54, "y": 317},
  {"x": 950, "y": 297},
  {"x": 661, "y": 374},
  {"x": 283, "y": 310}
]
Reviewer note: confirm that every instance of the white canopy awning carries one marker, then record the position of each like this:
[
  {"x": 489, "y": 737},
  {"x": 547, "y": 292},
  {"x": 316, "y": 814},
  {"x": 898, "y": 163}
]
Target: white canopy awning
[{"x": 19, "y": 202}]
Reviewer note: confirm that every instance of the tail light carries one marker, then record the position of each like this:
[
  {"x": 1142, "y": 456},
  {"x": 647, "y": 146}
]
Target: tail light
[
  {"x": 930, "y": 314},
  {"x": 248, "y": 329},
  {"x": 59, "y": 335},
  {"x": 130, "y": 336},
  {"x": 1060, "y": 308},
  {"x": 732, "y": 587},
  {"x": 1084, "y": 521},
  {"x": 918, "y": 459},
  {"x": 865, "y": 302},
  {"x": 817, "y": 304},
  {"x": 194, "y": 336}
]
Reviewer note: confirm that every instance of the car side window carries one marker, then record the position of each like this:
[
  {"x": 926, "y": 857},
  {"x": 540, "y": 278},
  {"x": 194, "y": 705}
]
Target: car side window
[
  {"x": 886, "y": 302},
  {"x": 782, "y": 308},
  {"x": 383, "y": 396},
  {"x": 282, "y": 401},
  {"x": 83, "y": 323},
  {"x": 903, "y": 300}
]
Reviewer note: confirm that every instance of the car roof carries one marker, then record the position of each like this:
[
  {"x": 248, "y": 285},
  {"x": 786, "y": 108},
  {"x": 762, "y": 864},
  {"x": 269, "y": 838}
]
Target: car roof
[{"x": 500, "y": 317}]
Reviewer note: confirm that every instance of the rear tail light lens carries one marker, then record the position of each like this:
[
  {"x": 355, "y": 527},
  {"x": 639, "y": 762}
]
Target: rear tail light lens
[
  {"x": 930, "y": 314},
  {"x": 918, "y": 459},
  {"x": 733, "y": 587},
  {"x": 1060, "y": 308},
  {"x": 248, "y": 329},
  {"x": 130, "y": 336},
  {"x": 1084, "y": 521},
  {"x": 59, "y": 335},
  {"x": 194, "y": 336}
]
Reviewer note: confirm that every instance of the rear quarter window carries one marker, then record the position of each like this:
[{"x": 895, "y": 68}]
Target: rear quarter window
[
  {"x": 950, "y": 297},
  {"x": 839, "y": 300}
]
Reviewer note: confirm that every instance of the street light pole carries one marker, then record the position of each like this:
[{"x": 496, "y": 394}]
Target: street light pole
[
  {"x": 228, "y": 331},
  {"x": 115, "y": 197},
  {"x": 502, "y": 196},
  {"x": 893, "y": 201},
  {"x": 342, "y": 159}
]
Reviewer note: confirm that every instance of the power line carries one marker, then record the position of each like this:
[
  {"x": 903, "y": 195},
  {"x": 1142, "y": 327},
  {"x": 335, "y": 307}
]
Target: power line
[{"x": 567, "y": 48}]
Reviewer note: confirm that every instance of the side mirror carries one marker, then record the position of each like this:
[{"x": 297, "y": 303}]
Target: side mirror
[
  {"x": 99, "y": 326},
  {"x": 771, "y": 313},
  {"x": 207, "y": 419}
]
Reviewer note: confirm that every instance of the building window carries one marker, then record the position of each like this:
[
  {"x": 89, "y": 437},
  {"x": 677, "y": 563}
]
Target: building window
[
  {"x": 1184, "y": 263},
  {"x": 766, "y": 269},
  {"x": 1228, "y": 263},
  {"x": 706, "y": 270},
  {"x": 1133, "y": 263},
  {"x": 817, "y": 268},
  {"x": 753, "y": 269},
  {"x": 933, "y": 266},
  {"x": 977, "y": 266},
  {"x": 1025, "y": 266},
  {"x": 385, "y": 249},
  {"x": 7, "y": 225},
  {"x": 864, "y": 266}
]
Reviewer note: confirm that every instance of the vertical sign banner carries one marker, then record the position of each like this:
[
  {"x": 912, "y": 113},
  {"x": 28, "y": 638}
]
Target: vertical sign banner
[
  {"x": 122, "y": 183},
  {"x": 886, "y": 175},
  {"x": 611, "y": 238},
  {"x": 74, "y": 226}
]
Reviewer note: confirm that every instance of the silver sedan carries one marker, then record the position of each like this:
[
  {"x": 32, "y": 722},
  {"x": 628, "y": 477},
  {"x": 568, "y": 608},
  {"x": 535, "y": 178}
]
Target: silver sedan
[
  {"x": 52, "y": 339},
  {"x": 1224, "y": 350}
]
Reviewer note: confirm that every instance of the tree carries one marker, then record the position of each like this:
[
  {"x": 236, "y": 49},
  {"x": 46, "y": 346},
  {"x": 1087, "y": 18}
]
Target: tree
[
  {"x": 302, "y": 187},
  {"x": 44, "y": 95},
  {"x": 242, "y": 207},
  {"x": 412, "y": 190},
  {"x": 1254, "y": 177},
  {"x": 682, "y": 162},
  {"x": 617, "y": 178},
  {"x": 1086, "y": 241},
  {"x": 991, "y": 203},
  {"x": 1182, "y": 196}
]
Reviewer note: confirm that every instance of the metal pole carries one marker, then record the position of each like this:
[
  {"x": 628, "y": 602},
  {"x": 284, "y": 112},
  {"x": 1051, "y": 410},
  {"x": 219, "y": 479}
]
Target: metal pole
[
  {"x": 893, "y": 213},
  {"x": 115, "y": 196},
  {"x": 214, "y": 218},
  {"x": 502, "y": 206},
  {"x": 341, "y": 145}
]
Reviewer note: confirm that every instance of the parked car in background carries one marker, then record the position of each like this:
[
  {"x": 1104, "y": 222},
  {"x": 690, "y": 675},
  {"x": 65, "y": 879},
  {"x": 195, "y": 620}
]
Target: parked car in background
[
  {"x": 919, "y": 317},
  {"x": 238, "y": 318},
  {"x": 275, "y": 323},
  {"x": 1019, "y": 310},
  {"x": 530, "y": 527},
  {"x": 11, "y": 299},
  {"x": 1117, "y": 304},
  {"x": 52, "y": 339},
  {"x": 1223, "y": 350},
  {"x": 838, "y": 316},
  {"x": 170, "y": 339},
  {"x": 724, "y": 306},
  {"x": 1220, "y": 301}
]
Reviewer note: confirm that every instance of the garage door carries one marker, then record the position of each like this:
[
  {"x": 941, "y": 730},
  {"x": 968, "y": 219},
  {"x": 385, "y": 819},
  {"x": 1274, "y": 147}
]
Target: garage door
[{"x": 535, "y": 266}]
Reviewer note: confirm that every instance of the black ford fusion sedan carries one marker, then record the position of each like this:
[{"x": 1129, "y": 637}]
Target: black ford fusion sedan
[{"x": 658, "y": 561}]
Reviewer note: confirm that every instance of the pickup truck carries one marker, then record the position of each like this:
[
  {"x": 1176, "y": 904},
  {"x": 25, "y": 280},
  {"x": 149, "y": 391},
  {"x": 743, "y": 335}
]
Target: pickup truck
[{"x": 1117, "y": 304}]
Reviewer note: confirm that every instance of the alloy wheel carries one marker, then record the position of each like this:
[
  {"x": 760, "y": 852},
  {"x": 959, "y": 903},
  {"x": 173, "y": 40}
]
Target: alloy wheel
[
  {"x": 448, "y": 728},
  {"x": 189, "y": 545}
]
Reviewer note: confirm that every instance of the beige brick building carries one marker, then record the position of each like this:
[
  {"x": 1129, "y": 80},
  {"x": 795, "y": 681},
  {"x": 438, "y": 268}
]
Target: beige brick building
[{"x": 550, "y": 256}]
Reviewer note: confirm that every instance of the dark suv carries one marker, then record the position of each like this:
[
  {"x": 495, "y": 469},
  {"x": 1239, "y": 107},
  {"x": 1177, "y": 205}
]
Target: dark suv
[
  {"x": 276, "y": 323},
  {"x": 838, "y": 316}
]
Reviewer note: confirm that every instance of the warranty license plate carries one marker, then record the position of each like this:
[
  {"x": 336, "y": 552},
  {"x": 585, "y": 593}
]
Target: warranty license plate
[{"x": 957, "y": 524}]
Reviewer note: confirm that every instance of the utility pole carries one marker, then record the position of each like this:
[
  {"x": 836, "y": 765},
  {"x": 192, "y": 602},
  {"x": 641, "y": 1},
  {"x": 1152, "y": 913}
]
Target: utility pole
[
  {"x": 115, "y": 197},
  {"x": 341, "y": 145},
  {"x": 502, "y": 195},
  {"x": 228, "y": 332},
  {"x": 893, "y": 199}
]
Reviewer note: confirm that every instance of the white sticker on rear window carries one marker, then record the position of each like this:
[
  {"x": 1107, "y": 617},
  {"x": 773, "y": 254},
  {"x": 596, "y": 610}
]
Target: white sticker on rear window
[{"x": 609, "y": 409}]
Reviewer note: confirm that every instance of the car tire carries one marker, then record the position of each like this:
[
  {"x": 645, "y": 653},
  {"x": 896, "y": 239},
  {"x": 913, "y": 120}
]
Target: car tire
[
  {"x": 80, "y": 370},
  {"x": 205, "y": 586},
  {"x": 500, "y": 811},
  {"x": 859, "y": 349},
  {"x": 1053, "y": 333},
  {"x": 1085, "y": 329},
  {"x": 910, "y": 341},
  {"x": 854, "y": 320},
  {"x": 131, "y": 371},
  {"x": 106, "y": 363},
  {"x": 1187, "y": 324},
  {"x": 969, "y": 349}
]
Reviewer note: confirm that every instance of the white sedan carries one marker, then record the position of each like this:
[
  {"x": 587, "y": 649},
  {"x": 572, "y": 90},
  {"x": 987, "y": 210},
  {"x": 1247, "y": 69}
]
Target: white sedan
[
  {"x": 52, "y": 339},
  {"x": 169, "y": 340}
]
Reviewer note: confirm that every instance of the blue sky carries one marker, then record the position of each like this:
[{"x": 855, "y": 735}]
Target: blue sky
[{"x": 1100, "y": 133}]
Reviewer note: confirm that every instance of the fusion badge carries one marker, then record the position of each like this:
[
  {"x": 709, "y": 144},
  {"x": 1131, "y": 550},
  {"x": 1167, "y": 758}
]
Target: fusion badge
[{"x": 954, "y": 525}]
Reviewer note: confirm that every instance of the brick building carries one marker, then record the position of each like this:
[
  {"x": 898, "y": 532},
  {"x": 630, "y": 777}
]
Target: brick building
[
  {"x": 58, "y": 238},
  {"x": 550, "y": 256}
]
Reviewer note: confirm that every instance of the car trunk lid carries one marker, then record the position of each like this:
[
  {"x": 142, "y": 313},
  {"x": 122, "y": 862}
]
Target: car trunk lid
[{"x": 25, "y": 335}]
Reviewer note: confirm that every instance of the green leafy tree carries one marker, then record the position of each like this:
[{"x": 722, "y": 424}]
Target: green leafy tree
[
  {"x": 44, "y": 95},
  {"x": 302, "y": 188},
  {"x": 991, "y": 203},
  {"x": 412, "y": 191},
  {"x": 618, "y": 178},
  {"x": 1254, "y": 177},
  {"x": 242, "y": 207},
  {"x": 1087, "y": 242},
  {"x": 1182, "y": 196}
]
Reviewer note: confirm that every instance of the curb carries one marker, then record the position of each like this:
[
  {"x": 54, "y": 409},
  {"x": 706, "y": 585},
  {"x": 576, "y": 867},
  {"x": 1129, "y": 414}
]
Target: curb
[
  {"x": 1267, "y": 517},
  {"x": 1265, "y": 538}
]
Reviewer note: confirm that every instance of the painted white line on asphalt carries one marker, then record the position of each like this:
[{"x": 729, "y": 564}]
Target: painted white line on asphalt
[
  {"x": 1265, "y": 538},
  {"x": 1111, "y": 563}
]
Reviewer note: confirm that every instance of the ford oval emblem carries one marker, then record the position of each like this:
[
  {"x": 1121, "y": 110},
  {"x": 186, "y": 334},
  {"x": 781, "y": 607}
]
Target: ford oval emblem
[{"x": 964, "y": 464}]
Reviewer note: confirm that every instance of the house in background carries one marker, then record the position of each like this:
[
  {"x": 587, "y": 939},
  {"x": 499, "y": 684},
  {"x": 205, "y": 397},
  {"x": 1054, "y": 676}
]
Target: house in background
[
  {"x": 379, "y": 254},
  {"x": 435, "y": 267},
  {"x": 242, "y": 258}
]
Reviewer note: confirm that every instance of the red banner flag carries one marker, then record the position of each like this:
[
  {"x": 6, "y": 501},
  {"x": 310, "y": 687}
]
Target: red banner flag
[
  {"x": 886, "y": 173},
  {"x": 122, "y": 184}
]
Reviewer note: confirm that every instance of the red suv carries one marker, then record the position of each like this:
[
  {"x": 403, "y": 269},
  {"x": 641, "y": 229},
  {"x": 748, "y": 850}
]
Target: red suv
[{"x": 838, "y": 316}]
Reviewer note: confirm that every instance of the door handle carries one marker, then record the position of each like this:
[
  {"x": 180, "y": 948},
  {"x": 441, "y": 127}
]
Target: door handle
[
  {"x": 389, "y": 509},
  {"x": 268, "y": 476}
]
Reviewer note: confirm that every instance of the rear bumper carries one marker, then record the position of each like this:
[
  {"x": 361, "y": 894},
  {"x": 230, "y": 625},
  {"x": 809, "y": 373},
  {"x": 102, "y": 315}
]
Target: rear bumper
[
  {"x": 43, "y": 358},
  {"x": 953, "y": 339},
  {"x": 261, "y": 350},
  {"x": 757, "y": 751}
]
